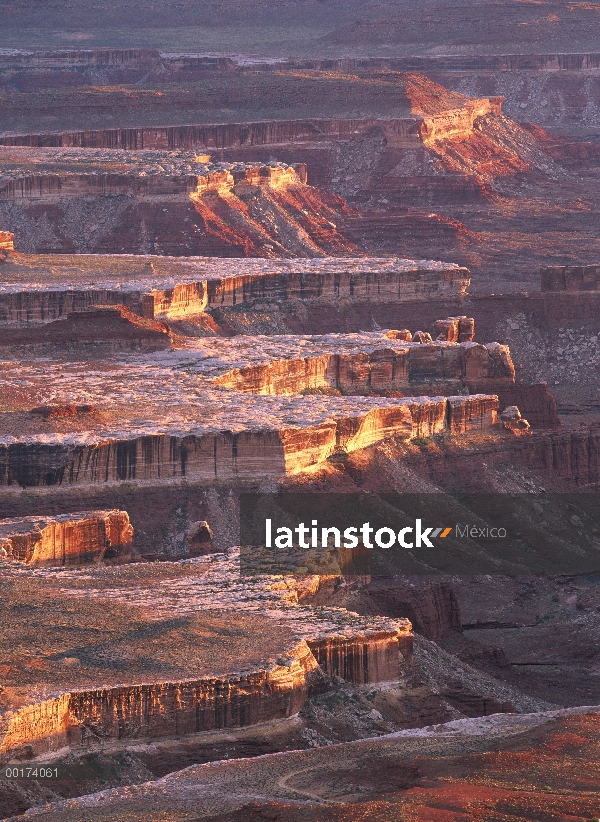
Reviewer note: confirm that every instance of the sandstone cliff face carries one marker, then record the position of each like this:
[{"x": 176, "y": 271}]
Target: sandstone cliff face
[
  {"x": 415, "y": 368},
  {"x": 163, "y": 709},
  {"x": 104, "y": 329},
  {"x": 396, "y": 282},
  {"x": 84, "y": 204},
  {"x": 247, "y": 454},
  {"x": 34, "y": 729},
  {"x": 222, "y": 136},
  {"x": 376, "y": 658},
  {"x": 171, "y": 709},
  {"x": 432, "y": 607},
  {"x": 570, "y": 278},
  {"x": 89, "y": 715},
  {"x": 174, "y": 288},
  {"x": 74, "y": 539}
]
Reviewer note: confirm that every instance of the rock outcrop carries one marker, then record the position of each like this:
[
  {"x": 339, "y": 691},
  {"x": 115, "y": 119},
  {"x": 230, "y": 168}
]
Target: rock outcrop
[
  {"x": 385, "y": 281},
  {"x": 512, "y": 421},
  {"x": 101, "y": 329},
  {"x": 169, "y": 204},
  {"x": 6, "y": 242},
  {"x": 67, "y": 539},
  {"x": 376, "y": 658},
  {"x": 570, "y": 278},
  {"x": 228, "y": 455},
  {"x": 167, "y": 288},
  {"x": 163, "y": 708},
  {"x": 432, "y": 607},
  {"x": 417, "y": 368}
]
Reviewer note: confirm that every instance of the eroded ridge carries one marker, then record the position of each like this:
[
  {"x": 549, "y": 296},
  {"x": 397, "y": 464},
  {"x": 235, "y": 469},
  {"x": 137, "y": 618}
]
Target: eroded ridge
[{"x": 183, "y": 413}]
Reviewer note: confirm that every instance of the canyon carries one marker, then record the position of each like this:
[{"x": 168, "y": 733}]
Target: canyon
[
  {"x": 433, "y": 171},
  {"x": 291, "y": 252}
]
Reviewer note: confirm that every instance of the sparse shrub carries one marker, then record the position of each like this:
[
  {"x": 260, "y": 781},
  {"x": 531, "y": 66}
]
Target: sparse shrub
[{"x": 321, "y": 391}]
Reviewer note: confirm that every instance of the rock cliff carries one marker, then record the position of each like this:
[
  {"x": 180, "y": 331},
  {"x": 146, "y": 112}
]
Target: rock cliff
[
  {"x": 432, "y": 607},
  {"x": 228, "y": 455},
  {"x": 74, "y": 539},
  {"x": 203, "y": 661},
  {"x": 41, "y": 288},
  {"x": 162, "y": 709},
  {"x": 417, "y": 368},
  {"x": 116, "y": 201},
  {"x": 103, "y": 329},
  {"x": 570, "y": 278}
]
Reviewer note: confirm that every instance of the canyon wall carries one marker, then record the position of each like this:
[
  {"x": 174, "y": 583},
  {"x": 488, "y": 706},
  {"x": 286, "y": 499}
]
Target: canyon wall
[
  {"x": 376, "y": 658},
  {"x": 436, "y": 366},
  {"x": 102, "y": 328},
  {"x": 264, "y": 211},
  {"x": 228, "y": 455},
  {"x": 432, "y": 607},
  {"x": 570, "y": 278},
  {"x": 377, "y": 288},
  {"x": 402, "y": 132},
  {"x": 47, "y": 186},
  {"x": 163, "y": 709},
  {"x": 155, "y": 710},
  {"x": 26, "y": 307},
  {"x": 413, "y": 283},
  {"x": 70, "y": 539}
]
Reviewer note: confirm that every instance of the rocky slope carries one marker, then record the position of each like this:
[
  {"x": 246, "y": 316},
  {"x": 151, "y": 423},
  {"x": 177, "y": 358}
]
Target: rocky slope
[
  {"x": 540, "y": 763},
  {"x": 82, "y": 202},
  {"x": 493, "y": 183}
]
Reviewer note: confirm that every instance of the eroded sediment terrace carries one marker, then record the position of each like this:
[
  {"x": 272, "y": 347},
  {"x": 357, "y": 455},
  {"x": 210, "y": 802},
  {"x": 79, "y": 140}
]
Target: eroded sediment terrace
[
  {"x": 174, "y": 654},
  {"x": 166, "y": 414},
  {"x": 38, "y": 288}
]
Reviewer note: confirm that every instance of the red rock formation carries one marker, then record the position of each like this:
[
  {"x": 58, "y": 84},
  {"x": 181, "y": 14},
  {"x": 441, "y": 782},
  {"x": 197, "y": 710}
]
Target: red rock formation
[
  {"x": 425, "y": 368},
  {"x": 570, "y": 278},
  {"x": 248, "y": 211},
  {"x": 512, "y": 421},
  {"x": 6, "y": 242},
  {"x": 228, "y": 455},
  {"x": 102, "y": 328},
  {"x": 455, "y": 329},
  {"x": 432, "y": 608},
  {"x": 68, "y": 539},
  {"x": 375, "y": 658},
  {"x": 163, "y": 709}
]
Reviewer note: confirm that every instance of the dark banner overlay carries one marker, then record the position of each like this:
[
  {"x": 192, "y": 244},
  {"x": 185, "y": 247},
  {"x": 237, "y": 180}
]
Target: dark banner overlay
[{"x": 389, "y": 534}]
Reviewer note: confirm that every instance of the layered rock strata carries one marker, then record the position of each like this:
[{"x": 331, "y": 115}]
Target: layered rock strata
[
  {"x": 142, "y": 178},
  {"x": 73, "y": 539},
  {"x": 402, "y": 132},
  {"x": 452, "y": 366},
  {"x": 177, "y": 203},
  {"x": 570, "y": 278},
  {"x": 226, "y": 455},
  {"x": 177, "y": 633},
  {"x": 160, "y": 709},
  {"x": 171, "y": 288},
  {"x": 101, "y": 329}
]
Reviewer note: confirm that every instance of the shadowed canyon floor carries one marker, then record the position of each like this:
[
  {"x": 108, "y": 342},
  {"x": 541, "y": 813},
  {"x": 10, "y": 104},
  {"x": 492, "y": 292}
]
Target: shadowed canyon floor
[{"x": 517, "y": 768}]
